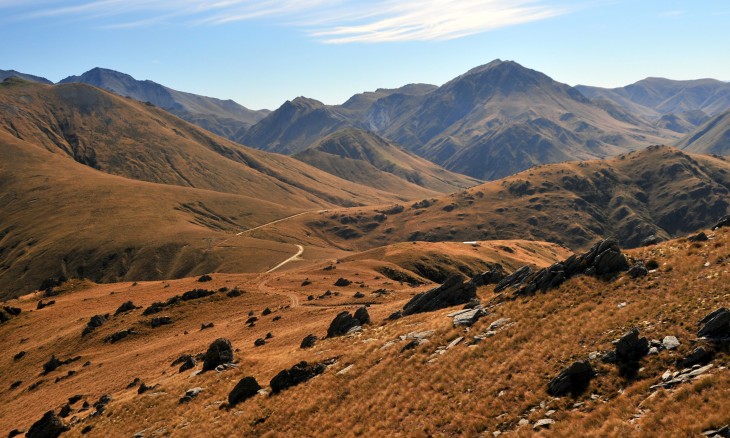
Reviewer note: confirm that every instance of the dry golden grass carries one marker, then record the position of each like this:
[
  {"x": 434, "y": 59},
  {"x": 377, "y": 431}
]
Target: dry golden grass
[{"x": 470, "y": 390}]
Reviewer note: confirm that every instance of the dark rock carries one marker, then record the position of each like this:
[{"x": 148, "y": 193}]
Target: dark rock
[
  {"x": 88, "y": 428},
  {"x": 190, "y": 394},
  {"x": 260, "y": 342},
  {"x": 638, "y": 270},
  {"x": 16, "y": 384},
  {"x": 266, "y": 311},
  {"x": 126, "y": 307},
  {"x": 52, "y": 364},
  {"x": 65, "y": 411},
  {"x": 187, "y": 364},
  {"x": 398, "y": 314},
  {"x": 467, "y": 317},
  {"x": 310, "y": 297},
  {"x": 342, "y": 282},
  {"x": 651, "y": 240},
  {"x": 573, "y": 380},
  {"x": 205, "y": 278},
  {"x": 362, "y": 315},
  {"x": 724, "y": 222},
  {"x": 342, "y": 324},
  {"x": 631, "y": 348},
  {"x": 42, "y": 305},
  {"x": 308, "y": 341},
  {"x": 204, "y": 326},
  {"x": 100, "y": 404},
  {"x": 244, "y": 390},
  {"x": 514, "y": 279},
  {"x": 219, "y": 353},
  {"x": 13, "y": 311},
  {"x": 4, "y": 317},
  {"x": 716, "y": 325},
  {"x": 723, "y": 432},
  {"x": 699, "y": 356},
  {"x": 196, "y": 294},
  {"x": 297, "y": 374},
  {"x": 49, "y": 426},
  {"x": 95, "y": 322},
  {"x": 699, "y": 237},
  {"x": 413, "y": 343},
  {"x": 276, "y": 318},
  {"x": 252, "y": 320},
  {"x": 160, "y": 320},
  {"x": 153, "y": 308},
  {"x": 118, "y": 336},
  {"x": 453, "y": 292},
  {"x": 493, "y": 275},
  {"x": 472, "y": 304},
  {"x": 144, "y": 388},
  {"x": 15, "y": 432},
  {"x": 134, "y": 383},
  {"x": 269, "y": 335},
  {"x": 359, "y": 294},
  {"x": 75, "y": 398},
  {"x": 19, "y": 356},
  {"x": 234, "y": 293}
]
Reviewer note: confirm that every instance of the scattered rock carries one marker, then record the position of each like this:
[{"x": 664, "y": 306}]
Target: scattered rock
[
  {"x": 15, "y": 432},
  {"x": 308, "y": 341},
  {"x": 65, "y": 411},
  {"x": 266, "y": 311},
  {"x": 205, "y": 278},
  {"x": 269, "y": 335},
  {"x": 398, "y": 314},
  {"x": 638, "y": 270},
  {"x": 651, "y": 240},
  {"x": 699, "y": 237},
  {"x": 233, "y": 293},
  {"x": 359, "y": 295},
  {"x": 716, "y": 325},
  {"x": 75, "y": 398},
  {"x": 724, "y": 222},
  {"x": 219, "y": 353},
  {"x": 52, "y": 364},
  {"x": 342, "y": 282},
  {"x": 244, "y": 390},
  {"x": 13, "y": 311},
  {"x": 118, "y": 336},
  {"x": 723, "y": 432},
  {"x": 100, "y": 404},
  {"x": 251, "y": 321},
  {"x": 685, "y": 375},
  {"x": 276, "y": 318},
  {"x": 19, "y": 356},
  {"x": 126, "y": 307},
  {"x": 345, "y": 322},
  {"x": 49, "y": 426},
  {"x": 260, "y": 342},
  {"x": 190, "y": 394},
  {"x": 573, "y": 380},
  {"x": 188, "y": 364},
  {"x": 670, "y": 343},
  {"x": 453, "y": 292},
  {"x": 631, "y": 348},
  {"x": 362, "y": 315},
  {"x": 88, "y": 428},
  {"x": 297, "y": 374},
  {"x": 545, "y": 423},
  {"x": 195, "y": 294},
  {"x": 467, "y": 317},
  {"x": 144, "y": 388},
  {"x": 42, "y": 305},
  {"x": 160, "y": 320},
  {"x": 205, "y": 326},
  {"x": 95, "y": 322},
  {"x": 699, "y": 356}
]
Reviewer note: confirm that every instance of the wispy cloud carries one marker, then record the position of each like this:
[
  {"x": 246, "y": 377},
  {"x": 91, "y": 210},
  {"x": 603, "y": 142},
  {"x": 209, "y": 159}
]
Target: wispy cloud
[{"x": 328, "y": 21}]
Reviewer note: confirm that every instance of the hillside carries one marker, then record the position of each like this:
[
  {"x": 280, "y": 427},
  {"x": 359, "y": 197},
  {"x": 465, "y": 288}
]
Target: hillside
[
  {"x": 223, "y": 117},
  {"x": 417, "y": 373},
  {"x": 660, "y": 191},
  {"x": 713, "y": 137},
  {"x": 368, "y": 159},
  {"x": 4, "y": 74},
  {"x": 127, "y": 138},
  {"x": 654, "y": 97}
]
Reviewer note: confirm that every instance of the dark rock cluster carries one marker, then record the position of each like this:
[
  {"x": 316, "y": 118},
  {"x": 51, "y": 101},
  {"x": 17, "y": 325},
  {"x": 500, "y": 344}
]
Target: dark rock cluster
[
  {"x": 453, "y": 292},
  {"x": 295, "y": 375},
  {"x": 344, "y": 322},
  {"x": 219, "y": 352}
]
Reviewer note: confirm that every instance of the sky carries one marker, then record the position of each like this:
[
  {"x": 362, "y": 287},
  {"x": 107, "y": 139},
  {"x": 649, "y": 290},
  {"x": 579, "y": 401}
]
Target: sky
[{"x": 261, "y": 53}]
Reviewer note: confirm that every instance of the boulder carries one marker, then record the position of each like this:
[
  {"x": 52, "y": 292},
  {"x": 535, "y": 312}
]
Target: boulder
[
  {"x": 362, "y": 315},
  {"x": 493, "y": 275},
  {"x": 716, "y": 325},
  {"x": 244, "y": 390},
  {"x": 342, "y": 324},
  {"x": 297, "y": 374},
  {"x": 724, "y": 222},
  {"x": 195, "y": 294},
  {"x": 190, "y": 394},
  {"x": 573, "y": 380},
  {"x": 52, "y": 364},
  {"x": 638, "y": 270},
  {"x": 631, "y": 348},
  {"x": 699, "y": 237},
  {"x": 187, "y": 364},
  {"x": 260, "y": 342},
  {"x": 453, "y": 292},
  {"x": 544, "y": 423},
  {"x": 204, "y": 278},
  {"x": 266, "y": 311},
  {"x": 308, "y": 341},
  {"x": 118, "y": 336},
  {"x": 126, "y": 307},
  {"x": 49, "y": 426},
  {"x": 398, "y": 314},
  {"x": 466, "y": 318},
  {"x": 42, "y": 305},
  {"x": 4, "y": 317},
  {"x": 698, "y": 356},
  {"x": 160, "y": 321},
  {"x": 13, "y": 311},
  {"x": 670, "y": 342},
  {"x": 342, "y": 282},
  {"x": 95, "y": 322},
  {"x": 219, "y": 353}
]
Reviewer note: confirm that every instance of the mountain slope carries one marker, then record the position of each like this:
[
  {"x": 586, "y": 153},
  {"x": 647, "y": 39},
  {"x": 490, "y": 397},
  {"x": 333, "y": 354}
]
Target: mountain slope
[
  {"x": 4, "y": 74},
  {"x": 713, "y": 137},
  {"x": 223, "y": 117},
  {"x": 501, "y": 118},
  {"x": 127, "y": 138},
  {"x": 659, "y": 191},
  {"x": 366, "y": 158},
  {"x": 653, "y": 97}
]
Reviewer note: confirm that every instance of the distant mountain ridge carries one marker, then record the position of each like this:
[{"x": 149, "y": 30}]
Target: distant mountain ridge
[
  {"x": 4, "y": 74},
  {"x": 223, "y": 117},
  {"x": 712, "y": 137}
]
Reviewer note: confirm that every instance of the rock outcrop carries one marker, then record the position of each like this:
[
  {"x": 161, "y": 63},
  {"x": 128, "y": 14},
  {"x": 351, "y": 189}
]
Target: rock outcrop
[
  {"x": 345, "y": 322},
  {"x": 219, "y": 352},
  {"x": 572, "y": 380},
  {"x": 244, "y": 390},
  {"x": 49, "y": 426},
  {"x": 297, "y": 374},
  {"x": 631, "y": 348},
  {"x": 453, "y": 292},
  {"x": 716, "y": 325},
  {"x": 308, "y": 341}
]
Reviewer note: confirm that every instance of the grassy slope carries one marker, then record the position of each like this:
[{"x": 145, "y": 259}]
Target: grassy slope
[
  {"x": 660, "y": 191},
  {"x": 467, "y": 391},
  {"x": 712, "y": 137}
]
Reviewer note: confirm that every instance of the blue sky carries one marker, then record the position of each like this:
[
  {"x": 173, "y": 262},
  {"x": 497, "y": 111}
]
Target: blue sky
[{"x": 261, "y": 53}]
